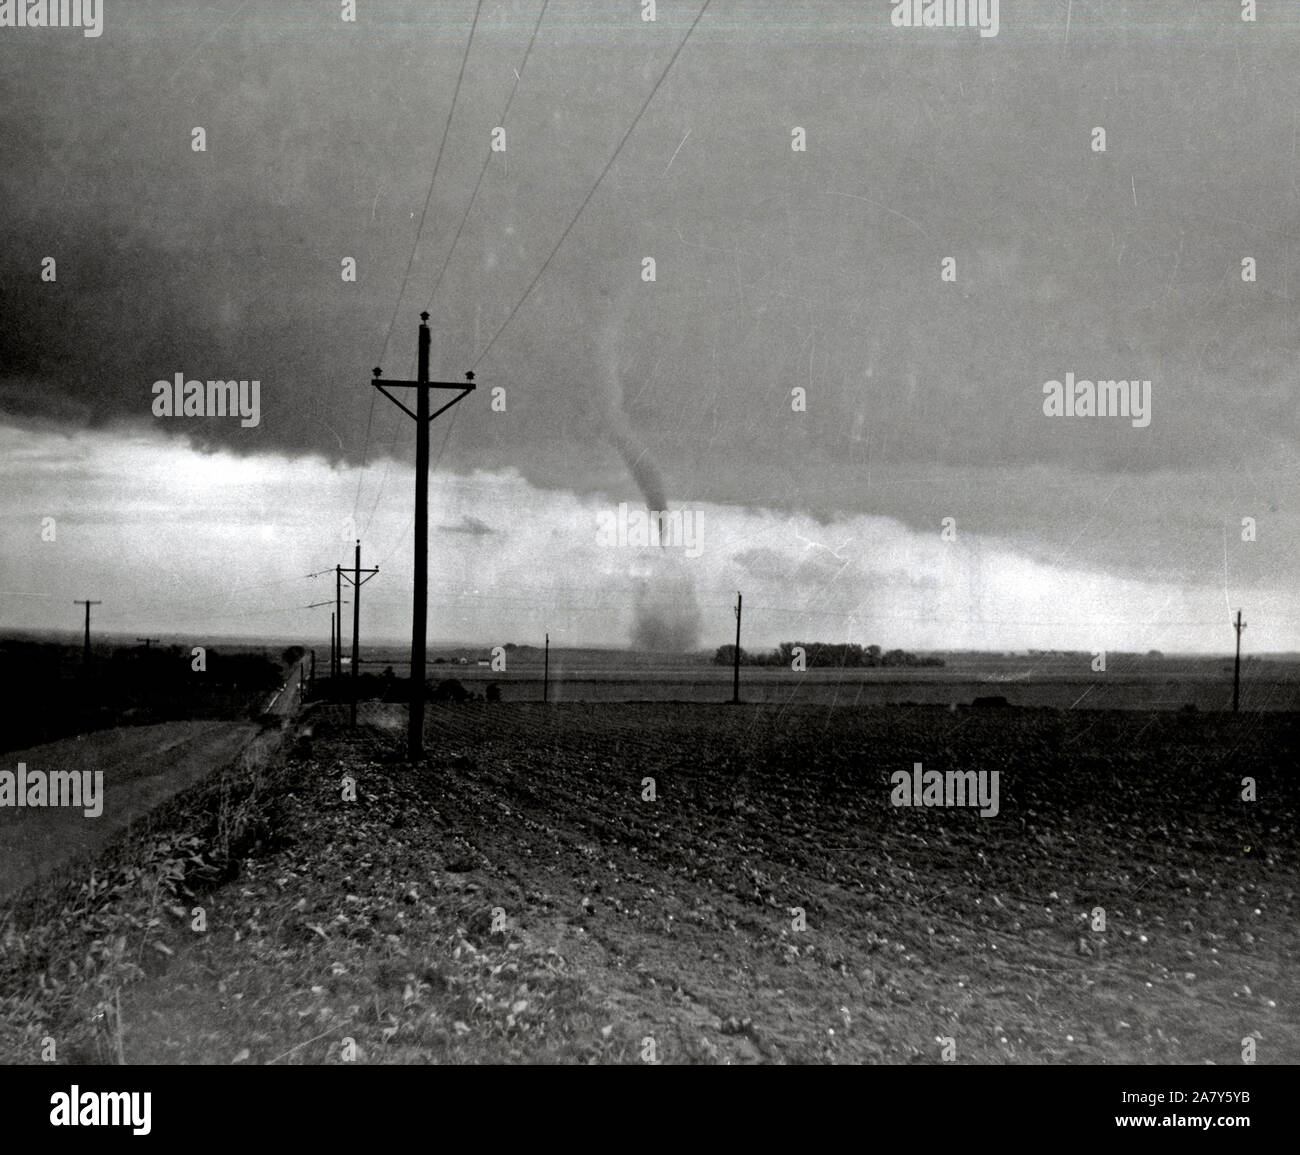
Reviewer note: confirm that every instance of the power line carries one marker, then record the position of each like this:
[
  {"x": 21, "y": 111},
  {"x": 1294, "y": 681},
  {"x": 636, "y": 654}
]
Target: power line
[
  {"x": 195, "y": 603},
  {"x": 587, "y": 199},
  {"x": 611, "y": 600},
  {"x": 429, "y": 195},
  {"x": 438, "y": 283},
  {"x": 401, "y": 540},
  {"x": 365, "y": 452},
  {"x": 410, "y": 260},
  {"x": 383, "y": 480},
  {"x": 519, "y": 74},
  {"x": 547, "y": 596}
]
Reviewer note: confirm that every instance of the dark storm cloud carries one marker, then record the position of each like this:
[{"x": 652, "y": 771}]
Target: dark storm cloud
[{"x": 774, "y": 269}]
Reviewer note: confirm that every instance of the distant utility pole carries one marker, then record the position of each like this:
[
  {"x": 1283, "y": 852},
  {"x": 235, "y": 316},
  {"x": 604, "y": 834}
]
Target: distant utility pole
[
  {"x": 735, "y": 675},
  {"x": 1239, "y": 625},
  {"x": 311, "y": 678},
  {"x": 338, "y": 617},
  {"x": 420, "y": 603},
  {"x": 546, "y": 668},
  {"x": 146, "y": 641},
  {"x": 85, "y": 654},
  {"x": 313, "y": 653},
  {"x": 336, "y": 641},
  {"x": 357, "y": 582}
]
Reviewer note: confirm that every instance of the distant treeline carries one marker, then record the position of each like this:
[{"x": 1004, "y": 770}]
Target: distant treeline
[{"x": 837, "y": 655}]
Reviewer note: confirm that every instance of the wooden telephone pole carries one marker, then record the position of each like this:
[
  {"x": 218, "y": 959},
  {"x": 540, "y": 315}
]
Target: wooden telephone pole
[
  {"x": 357, "y": 582},
  {"x": 313, "y": 606},
  {"x": 546, "y": 668},
  {"x": 85, "y": 653},
  {"x": 420, "y": 603},
  {"x": 337, "y": 656},
  {"x": 336, "y": 636},
  {"x": 735, "y": 675},
  {"x": 332, "y": 641},
  {"x": 1239, "y": 625}
]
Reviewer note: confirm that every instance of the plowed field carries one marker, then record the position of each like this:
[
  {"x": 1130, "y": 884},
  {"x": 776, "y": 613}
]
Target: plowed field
[{"x": 521, "y": 898}]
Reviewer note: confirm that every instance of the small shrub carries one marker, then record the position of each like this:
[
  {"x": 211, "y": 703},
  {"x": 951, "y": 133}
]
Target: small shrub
[{"x": 449, "y": 690}]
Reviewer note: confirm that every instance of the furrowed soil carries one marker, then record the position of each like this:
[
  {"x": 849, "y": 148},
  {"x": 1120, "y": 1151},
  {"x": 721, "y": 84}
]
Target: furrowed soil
[
  {"x": 521, "y": 899},
  {"x": 142, "y": 765}
]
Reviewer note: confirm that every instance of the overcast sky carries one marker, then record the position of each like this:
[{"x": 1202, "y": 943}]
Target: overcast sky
[{"x": 775, "y": 269}]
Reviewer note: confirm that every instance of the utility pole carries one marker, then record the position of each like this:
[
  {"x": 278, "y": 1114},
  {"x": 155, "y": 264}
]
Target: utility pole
[
  {"x": 311, "y": 678},
  {"x": 546, "y": 668},
  {"x": 312, "y": 683},
  {"x": 338, "y": 616},
  {"x": 336, "y": 642},
  {"x": 1239, "y": 625},
  {"x": 336, "y": 623},
  {"x": 357, "y": 582},
  {"x": 85, "y": 653},
  {"x": 420, "y": 604},
  {"x": 735, "y": 675}
]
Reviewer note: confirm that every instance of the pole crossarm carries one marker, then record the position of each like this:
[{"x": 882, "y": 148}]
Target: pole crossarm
[{"x": 466, "y": 388}]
